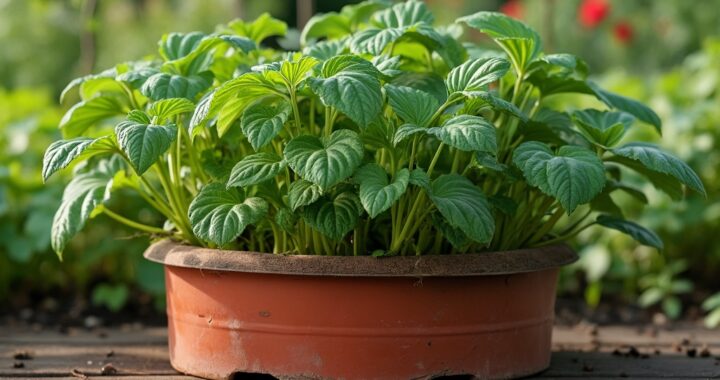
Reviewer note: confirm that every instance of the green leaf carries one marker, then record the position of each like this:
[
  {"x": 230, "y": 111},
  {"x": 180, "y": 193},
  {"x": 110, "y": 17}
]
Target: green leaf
[
  {"x": 144, "y": 143},
  {"x": 520, "y": 42},
  {"x": 631, "y": 106},
  {"x": 430, "y": 83},
  {"x": 463, "y": 206},
  {"x": 261, "y": 28},
  {"x": 139, "y": 117},
  {"x": 405, "y": 131},
  {"x": 374, "y": 40},
  {"x": 334, "y": 217},
  {"x": 362, "y": 11},
  {"x": 85, "y": 114},
  {"x": 325, "y": 161},
  {"x": 295, "y": 72},
  {"x": 302, "y": 193},
  {"x": 650, "y": 297},
  {"x": 219, "y": 215},
  {"x": 413, "y": 106},
  {"x": 200, "y": 57},
  {"x": 672, "y": 307},
  {"x": 377, "y": 194},
  {"x": 82, "y": 196},
  {"x": 261, "y": 123},
  {"x": 325, "y": 50},
  {"x": 419, "y": 178},
  {"x": 165, "y": 86},
  {"x": 574, "y": 176},
  {"x": 496, "y": 103},
  {"x": 330, "y": 25},
  {"x": 112, "y": 297},
  {"x": 454, "y": 235},
  {"x": 231, "y": 99},
  {"x": 350, "y": 84},
  {"x": 487, "y": 160},
  {"x": 255, "y": 168},
  {"x": 476, "y": 74},
  {"x": 177, "y": 45},
  {"x": 468, "y": 133},
  {"x": 653, "y": 158},
  {"x": 62, "y": 153},
  {"x": 404, "y": 14},
  {"x": 602, "y": 127},
  {"x": 167, "y": 108}
]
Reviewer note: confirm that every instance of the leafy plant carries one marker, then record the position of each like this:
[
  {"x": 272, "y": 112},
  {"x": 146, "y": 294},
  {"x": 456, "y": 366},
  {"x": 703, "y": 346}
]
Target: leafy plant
[
  {"x": 712, "y": 306},
  {"x": 384, "y": 135},
  {"x": 664, "y": 288}
]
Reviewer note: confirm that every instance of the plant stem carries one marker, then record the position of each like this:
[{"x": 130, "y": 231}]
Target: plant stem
[{"x": 133, "y": 224}]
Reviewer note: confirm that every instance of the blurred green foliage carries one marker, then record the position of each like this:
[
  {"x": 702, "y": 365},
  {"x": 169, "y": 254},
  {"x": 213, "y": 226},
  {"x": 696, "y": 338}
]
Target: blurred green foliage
[{"x": 688, "y": 100}]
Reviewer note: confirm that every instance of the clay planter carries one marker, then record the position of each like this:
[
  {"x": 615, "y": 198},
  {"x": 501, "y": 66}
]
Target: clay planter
[{"x": 489, "y": 315}]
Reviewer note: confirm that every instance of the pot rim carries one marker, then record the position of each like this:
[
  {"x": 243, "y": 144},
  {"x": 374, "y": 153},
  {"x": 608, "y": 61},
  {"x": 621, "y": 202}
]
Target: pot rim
[{"x": 171, "y": 253}]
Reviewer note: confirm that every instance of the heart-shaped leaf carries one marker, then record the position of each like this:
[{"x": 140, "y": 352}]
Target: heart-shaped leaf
[
  {"x": 476, "y": 74},
  {"x": 260, "y": 123},
  {"x": 63, "y": 152},
  {"x": 350, "y": 84},
  {"x": 655, "y": 159},
  {"x": 377, "y": 194},
  {"x": 144, "y": 143},
  {"x": 641, "y": 234},
  {"x": 330, "y": 25},
  {"x": 334, "y": 217},
  {"x": 374, "y": 40},
  {"x": 413, "y": 106},
  {"x": 219, "y": 215},
  {"x": 177, "y": 45},
  {"x": 602, "y": 127},
  {"x": 85, "y": 192},
  {"x": 165, "y": 86},
  {"x": 302, "y": 193},
  {"x": 259, "y": 29},
  {"x": 404, "y": 14},
  {"x": 468, "y": 133},
  {"x": 325, "y": 161},
  {"x": 574, "y": 176},
  {"x": 464, "y": 206},
  {"x": 255, "y": 168},
  {"x": 520, "y": 42}
]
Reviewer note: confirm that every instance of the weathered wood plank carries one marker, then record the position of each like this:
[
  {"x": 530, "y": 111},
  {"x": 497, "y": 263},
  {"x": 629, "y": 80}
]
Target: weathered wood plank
[
  {"x": 595, "y": 365},
  {"x": 584, "y": 352}
]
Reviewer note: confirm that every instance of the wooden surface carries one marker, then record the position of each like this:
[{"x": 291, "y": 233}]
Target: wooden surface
[{"x": 583, "y": 351}]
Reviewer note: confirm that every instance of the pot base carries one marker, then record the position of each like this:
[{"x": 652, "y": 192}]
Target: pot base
[{"x": 325, "y": 327}]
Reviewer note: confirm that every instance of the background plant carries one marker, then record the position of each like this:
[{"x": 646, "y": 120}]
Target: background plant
[{"x": 376, "y": 105}]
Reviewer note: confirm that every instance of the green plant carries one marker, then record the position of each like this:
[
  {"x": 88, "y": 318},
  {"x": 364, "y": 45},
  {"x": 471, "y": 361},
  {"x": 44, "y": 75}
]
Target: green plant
[
  {"x": 712, "y": 306},
  {"x": 446, "y": 147},
  {"x": 664, "y": 288}
]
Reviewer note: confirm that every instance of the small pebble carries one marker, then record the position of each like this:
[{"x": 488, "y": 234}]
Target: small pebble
[
  {"x": 691, "y": 352},
  {"x": 110, "y": 354},
  {"x": 23, "y": 355},
  {"x": 18, "y": 365},
  {"x": 705, "y": 352},
  {"x": 108, "y": 369}
]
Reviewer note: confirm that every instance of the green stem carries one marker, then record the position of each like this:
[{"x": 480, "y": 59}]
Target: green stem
[
  {"x": 133, "y": 224},
  {"x": 435, "y": 159}
]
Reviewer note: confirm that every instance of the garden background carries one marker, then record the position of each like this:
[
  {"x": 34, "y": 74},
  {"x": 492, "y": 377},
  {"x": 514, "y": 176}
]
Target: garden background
[{"x": 664, "y": 53}]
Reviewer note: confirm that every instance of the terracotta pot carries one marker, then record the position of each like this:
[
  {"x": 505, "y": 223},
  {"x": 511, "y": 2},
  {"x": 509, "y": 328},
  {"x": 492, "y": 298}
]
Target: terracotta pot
[{"x": 489, "y": 315}]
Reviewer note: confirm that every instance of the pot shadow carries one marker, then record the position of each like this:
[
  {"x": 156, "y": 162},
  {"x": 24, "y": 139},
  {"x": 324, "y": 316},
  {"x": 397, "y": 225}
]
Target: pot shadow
[{"x": 261, "y": 376}]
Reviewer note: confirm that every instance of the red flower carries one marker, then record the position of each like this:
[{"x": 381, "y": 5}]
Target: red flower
[
  {"x": 623, "y": 32},
  {"x": 593, "y": 12},
  {"x": 513, "y": 8}
]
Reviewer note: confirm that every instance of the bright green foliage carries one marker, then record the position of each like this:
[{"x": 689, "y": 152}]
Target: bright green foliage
[
  {"x": 220, "y": 215},
  {"x": 325, "y": 161},
  {"x": 351, "y": 85},
  {"x": 334, "y": 217},
  {"x": 83, "y": 195},
  {"x": 376, "y": 193},
  {"x": 255, "y": 168},
  {"x": 384, "y": 136},
  {"x": 575, "y": 175},
  {"x": 144, "y": 143}
]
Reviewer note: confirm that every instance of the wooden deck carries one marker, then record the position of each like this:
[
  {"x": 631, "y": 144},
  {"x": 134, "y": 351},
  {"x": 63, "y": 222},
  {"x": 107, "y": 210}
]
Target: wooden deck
[{"x": 585, "y": 352}]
